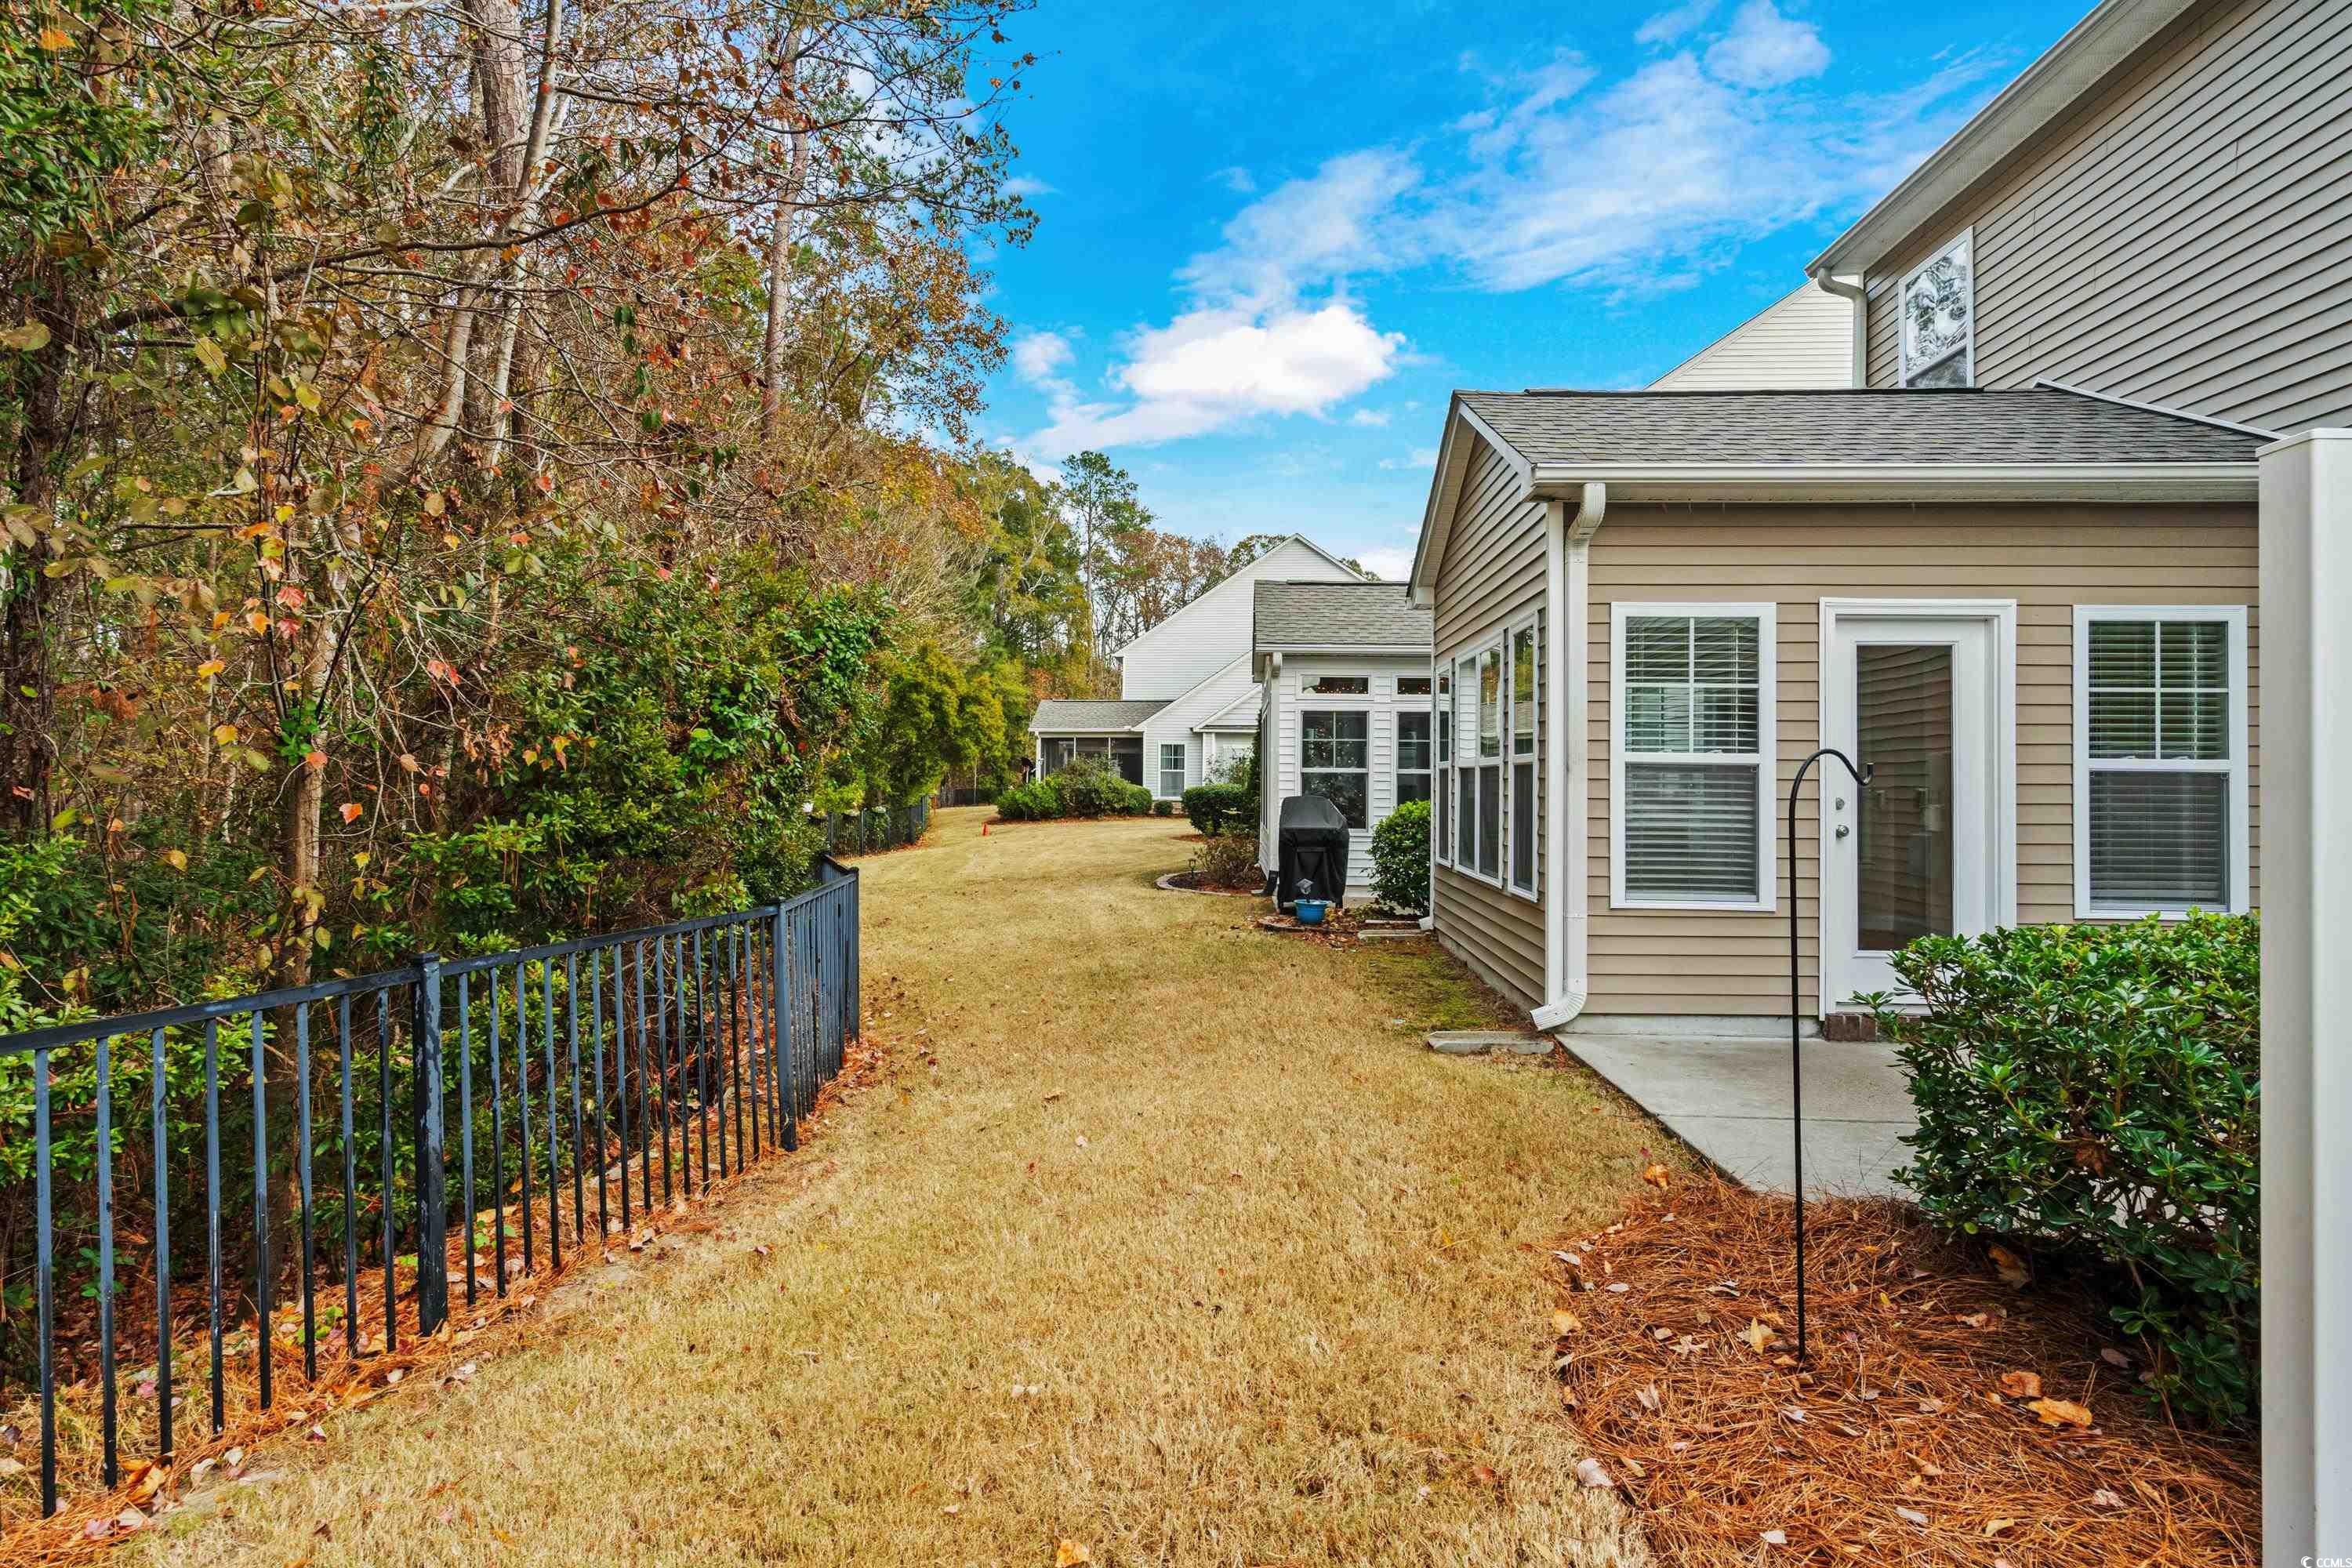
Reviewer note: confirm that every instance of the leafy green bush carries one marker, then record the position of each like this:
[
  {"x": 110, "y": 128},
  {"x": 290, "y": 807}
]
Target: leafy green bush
[
  {"x": 2095, "y": 1089},
  {"x": 1030, "y": 802},
  {"x": 1163, "y": 809},
  {"x": 1228, "y": 860},
  {"x": 1085, "y": 787},
  {"x": 1401, "y": 857},
  {"x": 1215, "y": 808}
]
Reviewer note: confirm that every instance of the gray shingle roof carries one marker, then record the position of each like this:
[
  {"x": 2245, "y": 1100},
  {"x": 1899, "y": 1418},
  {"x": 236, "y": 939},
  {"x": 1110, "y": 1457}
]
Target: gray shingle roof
[
  {"x": 1062, "y": 715},
  {"x": 1339, "y": 614},
  {"x": 1878, "y": 425}
]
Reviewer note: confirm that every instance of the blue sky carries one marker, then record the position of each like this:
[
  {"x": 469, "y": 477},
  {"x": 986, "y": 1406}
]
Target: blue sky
[{"x": 1273, "y": 236}]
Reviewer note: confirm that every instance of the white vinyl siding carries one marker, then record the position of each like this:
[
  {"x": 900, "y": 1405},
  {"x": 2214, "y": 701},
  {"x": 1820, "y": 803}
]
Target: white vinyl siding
[
  {"x": 2160, "y": 701},
  {"x": 1692, "y": 707}
]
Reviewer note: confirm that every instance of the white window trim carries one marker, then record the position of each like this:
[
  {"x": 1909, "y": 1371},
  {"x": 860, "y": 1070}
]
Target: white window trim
[
  {"x": 1183, "y": 767},
  {"x": 2241, "y": 836},
  {"x": 1441, "y": 761},
  {"x": 1497, "y": 641},
  {"x": 1397, "y": 770},
  {"x": 1766, "y": 616},
  {"x": 1968, "y": 351},
  {"x": 1338, "y": 705},
  {"x": 1529, "y": 622}
]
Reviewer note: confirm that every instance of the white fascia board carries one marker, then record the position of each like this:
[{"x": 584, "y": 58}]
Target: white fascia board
[
  {"x": 1130, "y": 730},
  {"x": 2044, "y": 94},
  {"x": 1784, "y": 482},
  {"x": 1399, "y": 651}
]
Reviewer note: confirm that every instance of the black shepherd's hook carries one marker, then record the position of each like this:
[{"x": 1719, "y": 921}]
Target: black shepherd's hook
[{"x": 1862, "y": 777}]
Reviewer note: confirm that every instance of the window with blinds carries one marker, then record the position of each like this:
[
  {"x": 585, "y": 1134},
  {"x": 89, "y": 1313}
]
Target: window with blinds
[
  {"x": 2161, "y": 704},
  {"x": 1692, "y": 738}
]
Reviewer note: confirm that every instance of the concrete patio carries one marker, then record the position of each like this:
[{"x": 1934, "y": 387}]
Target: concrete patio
[{"x": 1728, "y": 1097}]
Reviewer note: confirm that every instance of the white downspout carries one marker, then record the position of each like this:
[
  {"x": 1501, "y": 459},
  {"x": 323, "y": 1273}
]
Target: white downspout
[
  {"x": 1269, "y": 792},
  {"x": 1858, "y": 291},
  {"x": 1567, "y": 598}
]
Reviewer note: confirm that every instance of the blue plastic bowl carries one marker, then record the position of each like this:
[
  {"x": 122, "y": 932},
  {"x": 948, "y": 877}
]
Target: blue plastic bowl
[{"x": 1310, "y": 911}]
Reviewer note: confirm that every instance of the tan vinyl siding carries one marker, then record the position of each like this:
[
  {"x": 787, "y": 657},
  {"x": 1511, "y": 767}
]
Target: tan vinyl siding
[
  {"x": 2048, "y": 559},
  {"x": 1803, "y": 340},
  {"x": 2185, "y": 238},
  {"x": 1490, "y": 578}
]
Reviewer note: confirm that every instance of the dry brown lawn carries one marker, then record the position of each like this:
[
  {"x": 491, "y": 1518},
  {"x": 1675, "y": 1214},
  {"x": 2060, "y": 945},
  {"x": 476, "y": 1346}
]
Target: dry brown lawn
[{"x": 1158, "y": 1235}]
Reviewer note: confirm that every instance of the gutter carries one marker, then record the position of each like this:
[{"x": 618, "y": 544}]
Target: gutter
[
  {"x": 1858, "y": 293},
  {"x": 1567, "y": 601},
  {"x": 1767, "y": 483}
]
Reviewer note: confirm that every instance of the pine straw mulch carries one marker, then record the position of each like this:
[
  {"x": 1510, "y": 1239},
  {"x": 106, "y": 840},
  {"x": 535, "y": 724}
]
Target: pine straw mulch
[
  {"x": 91, "y": 1521},
  {"x": 1902, "y": 1444}
]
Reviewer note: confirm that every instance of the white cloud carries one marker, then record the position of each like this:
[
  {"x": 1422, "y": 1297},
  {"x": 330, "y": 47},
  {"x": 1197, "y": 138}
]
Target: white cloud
[
  {"x": 1027, "y": 186},
  {"x": 1371, "y": 418},
  {"x": 1675, "y": 22},
  {"x": 1765, "y": 48},
  {"x": 1038, "y": 357},
  {"x": 1309, "y": 231},
  {"x": 1213, "y": 366},
  {"x": 1236, "y": 179},
  {"x": 1385, "y": 562},
  {"x": 1419, "y": 458}
]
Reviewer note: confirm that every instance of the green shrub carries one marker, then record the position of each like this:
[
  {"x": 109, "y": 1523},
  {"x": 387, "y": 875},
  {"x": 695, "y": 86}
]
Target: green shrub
[
  {"x": 2095, "y": 1089},
  {"x": 1401, "y": 857},
  {"x": 1030, "y": 802},
  {"x": 1228, "y": 860},
  {"x": 1163, "y": 809},
  {"x": 1215, "y": 808}
]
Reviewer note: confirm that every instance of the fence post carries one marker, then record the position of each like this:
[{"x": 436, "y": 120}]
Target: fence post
[
  {"x": 856, "y": 935},
  {"x": 432, "y": 1190},
  {"x": 778, "y": 1030}
]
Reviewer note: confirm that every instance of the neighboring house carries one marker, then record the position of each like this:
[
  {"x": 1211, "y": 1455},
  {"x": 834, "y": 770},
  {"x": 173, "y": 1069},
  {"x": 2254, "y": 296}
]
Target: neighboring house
[
  {"x": 1651, "y": 606},
  {"x": 2017, "y": 572},
  {"x": 2158, "y": 209},
  {"x": 1180, "y": 684},
  {"x": 1345, "y": 713},
  {"x": 1808, "y": 338}
]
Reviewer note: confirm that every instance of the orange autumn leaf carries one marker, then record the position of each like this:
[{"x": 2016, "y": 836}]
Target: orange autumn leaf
[
  {"x": 2061, "y": 1413},
  {"x": 2021, "y": 1384},
  {"x": 1068, "y": 1553},
  {"x": 351, "y": 810},
  {"x": 1655, "y": 1175}
]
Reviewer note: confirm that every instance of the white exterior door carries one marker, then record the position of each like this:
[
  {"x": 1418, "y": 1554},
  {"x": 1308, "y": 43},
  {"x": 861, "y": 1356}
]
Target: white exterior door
[{"x": 1922, "y": 695}]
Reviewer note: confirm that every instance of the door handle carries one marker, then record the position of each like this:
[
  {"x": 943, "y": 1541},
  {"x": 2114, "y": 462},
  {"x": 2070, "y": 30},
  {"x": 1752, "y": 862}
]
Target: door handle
[{"x": 1843, "y": 830}]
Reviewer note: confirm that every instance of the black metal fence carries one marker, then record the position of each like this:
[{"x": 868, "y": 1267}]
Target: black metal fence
[
  {"x": 882, "y": 827},
  {"x": 574, "y": 1064}
]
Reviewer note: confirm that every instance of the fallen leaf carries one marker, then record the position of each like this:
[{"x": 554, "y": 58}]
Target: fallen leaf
[
  {"x": 2104, "y": 1499},
  {"x": 1931, "y": 1408},
  {"x": 1758, "y": 1336},
  {"x": 1913, "y": 1514},
  {"x": 1774, "y": 1538},
  {"x": 1791, "y": 1413},
  {"x": 2061, "y": 1413},
  {"x": 1590, "y": 1474},
  {"x": 129, "y": 1519},
  {"x": 2009, "y": 1266},
  {"x": 1564, "y": 1322},
  {"x": 1620, "y": 1287},
  {"x": 1648, "y": 1395},
  {"x": 2115, "y": 1357},
  {"x": 1068, "y": 1553},
  {"x": 1656, "y": 1176},
  {"x": 2021, "y": 1384},
  {"x": 1977, "y": 1320},
  {"x": 1993, "y": 1527}
]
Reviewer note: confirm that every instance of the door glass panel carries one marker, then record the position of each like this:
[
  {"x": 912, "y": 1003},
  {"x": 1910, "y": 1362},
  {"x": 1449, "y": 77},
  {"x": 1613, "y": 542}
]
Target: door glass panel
[{"x": 1903, "y": 728}]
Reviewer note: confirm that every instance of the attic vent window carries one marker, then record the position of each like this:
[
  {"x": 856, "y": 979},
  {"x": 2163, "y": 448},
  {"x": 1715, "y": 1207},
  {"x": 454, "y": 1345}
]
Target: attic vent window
[{"x": 1939, "y": 319}]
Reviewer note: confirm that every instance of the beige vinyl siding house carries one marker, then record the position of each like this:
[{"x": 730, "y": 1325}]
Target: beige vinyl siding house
[
  {"x": 2048, "y": 559},
  {"x": 1807, "y": 338},
  {"x": 1957, "y": 587},
  {"x": 2159, "y": 209}
]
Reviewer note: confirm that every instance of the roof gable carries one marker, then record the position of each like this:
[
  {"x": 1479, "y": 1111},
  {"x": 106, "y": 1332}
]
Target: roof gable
[{"x": 1305, "y": 554}]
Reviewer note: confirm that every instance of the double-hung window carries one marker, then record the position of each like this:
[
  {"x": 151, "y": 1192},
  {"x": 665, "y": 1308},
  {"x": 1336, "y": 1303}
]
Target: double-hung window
[
  {"x": 2161, "y": 824},
  {"x": 1526, "y": 732},
  {"x": 1939, "y": 318},
  {"x": 1691, "y": 771},
  {"x": 1411, "y": 754},
  {"x": 1171, "y": 768},
  {"x": 1335, "y": 760},
  {"x": 1442, "y": 806}
]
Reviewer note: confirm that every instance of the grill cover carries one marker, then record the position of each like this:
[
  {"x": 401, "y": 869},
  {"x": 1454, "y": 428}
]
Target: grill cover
[{"x": 1313, "y": 844}]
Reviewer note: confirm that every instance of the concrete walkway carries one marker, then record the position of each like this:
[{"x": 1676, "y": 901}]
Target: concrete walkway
[{"x": 1728, "y": 1097}]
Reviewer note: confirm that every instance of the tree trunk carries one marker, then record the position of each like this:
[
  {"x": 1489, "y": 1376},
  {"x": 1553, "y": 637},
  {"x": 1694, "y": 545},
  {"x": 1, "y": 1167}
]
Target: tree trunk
[
  {"x": 780, "y": 250},
  {"x": 28, "y": 691}
]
